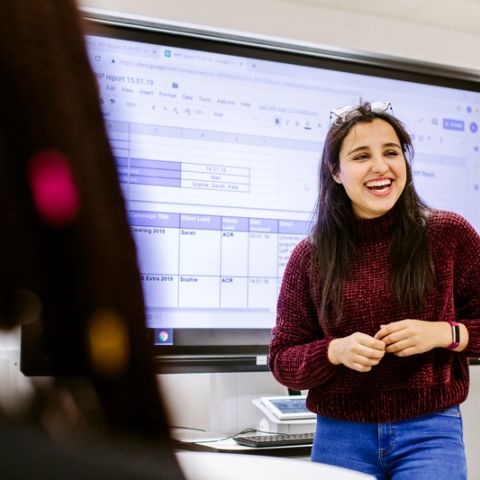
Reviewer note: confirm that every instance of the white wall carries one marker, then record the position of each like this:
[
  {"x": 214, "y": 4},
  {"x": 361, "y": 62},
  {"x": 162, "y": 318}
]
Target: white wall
[
  {"x": 314, "y": 24},
  {"x": 220, "y": 402},
  {"x": 10, "y": 340}
]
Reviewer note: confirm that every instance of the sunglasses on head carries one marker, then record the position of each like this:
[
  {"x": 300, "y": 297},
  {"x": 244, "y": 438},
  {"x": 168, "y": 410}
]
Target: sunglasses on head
[{"x": 340, "y": 115}]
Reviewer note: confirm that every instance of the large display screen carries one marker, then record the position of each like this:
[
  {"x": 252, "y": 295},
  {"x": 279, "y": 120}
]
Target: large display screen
[{"x": 217, "y": 146}]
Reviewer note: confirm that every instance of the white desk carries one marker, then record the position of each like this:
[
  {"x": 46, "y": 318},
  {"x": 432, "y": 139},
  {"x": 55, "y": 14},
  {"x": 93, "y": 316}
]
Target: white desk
[{"x": 212, "y": 466}]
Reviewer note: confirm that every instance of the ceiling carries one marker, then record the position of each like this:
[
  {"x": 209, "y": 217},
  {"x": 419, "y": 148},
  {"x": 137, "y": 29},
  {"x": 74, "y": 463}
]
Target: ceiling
[{"x": 461, "y": 15}]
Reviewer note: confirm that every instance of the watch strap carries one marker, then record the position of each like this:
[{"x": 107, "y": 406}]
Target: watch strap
[{"x": 455, "y": 335}]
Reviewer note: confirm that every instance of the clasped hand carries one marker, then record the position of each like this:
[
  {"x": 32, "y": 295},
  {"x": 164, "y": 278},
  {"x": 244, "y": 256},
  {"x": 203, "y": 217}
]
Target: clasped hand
[{"x": 361, "y": 352}]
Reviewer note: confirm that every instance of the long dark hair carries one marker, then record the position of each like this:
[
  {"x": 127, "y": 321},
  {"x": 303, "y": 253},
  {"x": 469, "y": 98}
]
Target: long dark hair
[{"x": 334, "y": 234}]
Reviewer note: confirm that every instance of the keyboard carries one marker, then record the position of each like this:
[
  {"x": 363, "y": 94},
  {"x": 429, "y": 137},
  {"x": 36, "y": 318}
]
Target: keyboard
[{"x": 276, "y": 440}]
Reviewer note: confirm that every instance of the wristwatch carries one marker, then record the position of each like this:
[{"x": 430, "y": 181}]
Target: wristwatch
[{"x": 455, "y": 335}]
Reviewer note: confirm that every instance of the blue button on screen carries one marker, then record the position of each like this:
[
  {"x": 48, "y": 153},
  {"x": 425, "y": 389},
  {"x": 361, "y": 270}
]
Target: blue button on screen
[{"x": 450, "y": 124}]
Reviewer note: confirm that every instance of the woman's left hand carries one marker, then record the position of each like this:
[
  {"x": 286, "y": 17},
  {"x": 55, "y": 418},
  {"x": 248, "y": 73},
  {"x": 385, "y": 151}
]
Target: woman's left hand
[{"x": 411, "y": 337}]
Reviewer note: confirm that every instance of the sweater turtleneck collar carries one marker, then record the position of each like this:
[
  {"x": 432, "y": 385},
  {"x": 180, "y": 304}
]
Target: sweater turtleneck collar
[{"x": 374, "y": 229}]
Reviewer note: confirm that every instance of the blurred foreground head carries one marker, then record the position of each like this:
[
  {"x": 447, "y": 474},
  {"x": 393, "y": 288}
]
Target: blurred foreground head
[{"x": 68, "y": 262}]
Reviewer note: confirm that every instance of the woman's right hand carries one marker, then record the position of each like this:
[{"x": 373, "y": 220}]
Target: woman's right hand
[{"x": 358, "y": 351}]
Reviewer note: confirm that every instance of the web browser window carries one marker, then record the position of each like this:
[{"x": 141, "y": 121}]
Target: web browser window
[{"x": 218, "y": 158}]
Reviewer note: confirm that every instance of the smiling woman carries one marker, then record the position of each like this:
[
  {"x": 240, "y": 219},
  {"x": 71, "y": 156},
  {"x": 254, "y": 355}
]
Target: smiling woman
[
  {"x": 366, "y": 144},
  {"x": 372, "y": 168},
  {"x": 379, "y": 310}
]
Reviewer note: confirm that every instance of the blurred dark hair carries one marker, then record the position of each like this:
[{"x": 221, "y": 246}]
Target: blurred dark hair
[
  {"x": 334, "y": 233},
  {"x": 85, "y": 270}
]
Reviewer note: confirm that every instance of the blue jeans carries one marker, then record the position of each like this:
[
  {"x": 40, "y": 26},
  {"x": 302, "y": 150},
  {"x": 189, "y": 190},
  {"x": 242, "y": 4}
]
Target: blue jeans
[{"x": 424, "y": 448}]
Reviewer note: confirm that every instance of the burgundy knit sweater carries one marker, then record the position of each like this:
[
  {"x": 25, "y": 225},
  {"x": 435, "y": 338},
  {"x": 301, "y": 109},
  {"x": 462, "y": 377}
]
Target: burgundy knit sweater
[{"x": 398, "y": 387}]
